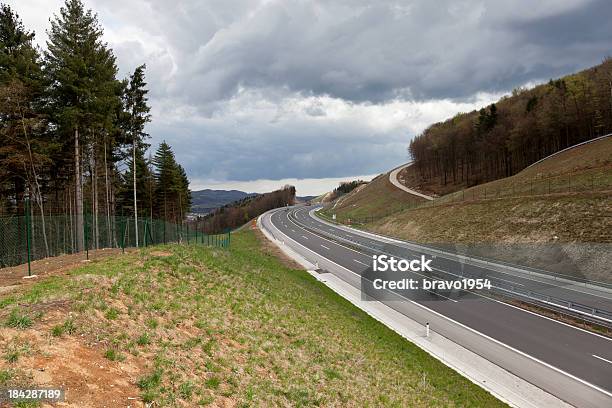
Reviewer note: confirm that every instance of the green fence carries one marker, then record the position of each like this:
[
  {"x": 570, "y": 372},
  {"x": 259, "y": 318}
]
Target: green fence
[{"x": 29, "y": 237}]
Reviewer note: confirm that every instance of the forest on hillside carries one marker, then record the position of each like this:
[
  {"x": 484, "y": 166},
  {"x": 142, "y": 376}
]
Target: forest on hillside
[
  {"x": 505, "y": 137},
  {"x": 72, "y": 134},
  {"x": 235, "y": 214}
]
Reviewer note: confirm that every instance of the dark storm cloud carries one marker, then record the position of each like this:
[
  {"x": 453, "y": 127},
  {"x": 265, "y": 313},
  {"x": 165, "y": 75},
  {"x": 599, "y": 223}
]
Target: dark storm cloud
[
  {"x": 379, "y": 51},
  {"x": 248, "y": 89}
]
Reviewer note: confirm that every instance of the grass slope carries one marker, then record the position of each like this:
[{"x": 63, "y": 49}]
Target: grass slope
[
  {"x": 566, "y": 196},
  {"x": 186, "y": 325},
  {"x": 378, "y": 198}
]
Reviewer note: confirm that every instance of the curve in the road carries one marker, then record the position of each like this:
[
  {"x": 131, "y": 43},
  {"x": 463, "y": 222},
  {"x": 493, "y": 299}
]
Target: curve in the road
[
  {"x": 393, "y": 179},
  {"x": 575, "y": 353}
]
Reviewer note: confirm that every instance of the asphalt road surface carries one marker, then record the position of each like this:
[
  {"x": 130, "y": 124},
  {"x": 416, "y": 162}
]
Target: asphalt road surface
[{"x": 569, "y": 362}]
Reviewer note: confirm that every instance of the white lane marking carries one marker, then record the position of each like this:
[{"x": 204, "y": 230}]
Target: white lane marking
[
  {"x": 507, "y": 304},
  {"x": 601, "y": 358},
  {"x": 524, "y": 354},
  {"x": 361, "y": 253},
  {"x": 386, "y": 239},
  {"x": 304, "y": 236},
  {"x": 292, "y": 230},
  {"x": 359, "y": 262},
  {"x": 325, "y": 247}
]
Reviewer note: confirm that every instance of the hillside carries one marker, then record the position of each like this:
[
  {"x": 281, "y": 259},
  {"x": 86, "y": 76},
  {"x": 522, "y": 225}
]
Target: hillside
[
  {"x": 378, "y": 198},
  {"x": 238, "y": 213},
  {"x": 505, "y": 137},
  {"x": 205, "y": 201},
  {"x": 562, "y": 204},
  {"x": 189, "y": 325}
]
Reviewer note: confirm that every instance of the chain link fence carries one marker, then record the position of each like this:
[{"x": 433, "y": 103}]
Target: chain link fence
[{"x": 25, "y": 238}]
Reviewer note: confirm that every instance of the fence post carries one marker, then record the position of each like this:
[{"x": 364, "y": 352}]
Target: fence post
[
  {"x": 28, "y": 233},
  {"x": 123, "y": 236},
  {"x": 145, "y": 233},
  {"x": 86, "y": 238}
]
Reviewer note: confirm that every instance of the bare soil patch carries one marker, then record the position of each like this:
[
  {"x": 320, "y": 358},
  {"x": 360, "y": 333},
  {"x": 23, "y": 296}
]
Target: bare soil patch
[{"x": 57, "y": 265}]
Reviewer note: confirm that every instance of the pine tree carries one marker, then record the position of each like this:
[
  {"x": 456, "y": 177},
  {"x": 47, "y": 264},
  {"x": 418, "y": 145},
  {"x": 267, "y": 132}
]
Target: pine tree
[
  {"x": 165, "y": 180},
  {"x": 137, "y": 114},
  {"x": 80, "y": 71},
  {"x": 25, "y": 150},
  {"x": 20, "y": 87},
  {"x": 172, "y": 195},
  {"x": 143, "y": 178}
]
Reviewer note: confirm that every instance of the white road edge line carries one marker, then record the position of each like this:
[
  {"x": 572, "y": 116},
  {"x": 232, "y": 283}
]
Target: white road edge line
[
  {"x": 361, "y": 253},
  {"x": 533, "y": 313},
  {"x": 601, "y": 358},
  {"x": 588, "y": 384},
  {"x": 403, "y": 243}
]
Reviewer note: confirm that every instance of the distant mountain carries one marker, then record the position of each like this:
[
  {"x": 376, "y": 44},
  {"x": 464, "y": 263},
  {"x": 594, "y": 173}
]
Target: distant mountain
[
  {"x": 204, "y": 201},
  {"x": 303, "y": 199}
]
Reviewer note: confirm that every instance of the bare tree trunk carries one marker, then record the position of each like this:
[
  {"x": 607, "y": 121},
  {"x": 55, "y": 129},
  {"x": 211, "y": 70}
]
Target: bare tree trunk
[
  {"x": 135, "y": 202},
  {"x": 37, "y": 192},
  {"x": 72, "y": 244},
  {"x": 79, "y": 224},
  {"x": 96, "y": 204},
  {"x": 94, "y": 186},
  {"x": 108, "y": 225}
]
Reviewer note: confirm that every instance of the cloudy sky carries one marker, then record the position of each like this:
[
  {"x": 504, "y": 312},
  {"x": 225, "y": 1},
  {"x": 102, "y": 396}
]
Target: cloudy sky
[{"x": 256, "y": 94}]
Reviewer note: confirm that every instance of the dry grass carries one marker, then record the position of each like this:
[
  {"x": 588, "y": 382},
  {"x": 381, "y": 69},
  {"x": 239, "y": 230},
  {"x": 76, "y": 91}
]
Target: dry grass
[
  {"x": 205, "y": 326},
  {"x": 377, "y": 198}
]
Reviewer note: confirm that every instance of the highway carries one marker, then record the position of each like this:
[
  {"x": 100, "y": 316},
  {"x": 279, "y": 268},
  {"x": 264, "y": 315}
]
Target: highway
[{"x": 570, "y": 363}]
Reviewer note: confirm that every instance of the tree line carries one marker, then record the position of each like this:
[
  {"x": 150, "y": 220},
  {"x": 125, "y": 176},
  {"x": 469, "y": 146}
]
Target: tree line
[
  {"x": 505, "y": 137},
  {"x": 235, "y": 214},
  {"x": 72, "y": 135},
  {"x": 346, "y": 187}
]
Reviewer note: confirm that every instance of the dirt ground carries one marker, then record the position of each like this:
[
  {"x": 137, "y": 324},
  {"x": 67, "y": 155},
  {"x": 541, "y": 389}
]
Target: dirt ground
[
  {"x": 56, "y": 265},
  {"x": 74, "y": 364}
]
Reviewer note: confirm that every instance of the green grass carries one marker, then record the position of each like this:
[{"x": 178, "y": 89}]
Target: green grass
[
  {"x": 144, "y": 339},
  {"x": 18, "y": 320},
  {"x": 211, "y": 323},
  {"x": 113, "y": 355},
  {"x": 68, "y": 327}
]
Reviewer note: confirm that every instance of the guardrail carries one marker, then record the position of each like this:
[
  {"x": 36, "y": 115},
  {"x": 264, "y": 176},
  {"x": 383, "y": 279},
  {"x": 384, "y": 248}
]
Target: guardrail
[
  {"x": 603, "y": 317},
  {"x": 529, "y": 270}
]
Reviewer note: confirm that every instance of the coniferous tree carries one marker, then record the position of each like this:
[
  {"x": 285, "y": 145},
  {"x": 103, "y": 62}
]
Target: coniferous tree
[
  {"x": 20, "y": 86},
  {"x": 25, "y": 150},
  {"x": 80, "y": 70},
  {"x": 172, "y": 196},
  {"x": 143, "y": 177},
  {"x": 137, "y": 116}
]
